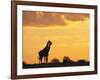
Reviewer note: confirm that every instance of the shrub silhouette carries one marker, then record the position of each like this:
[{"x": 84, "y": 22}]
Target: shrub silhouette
[
  {"x": 67, "y": 60},
  {"x": 55, "y": 60},
  {"x": 81, "y": 61},
  {"x": 24, "y": 63}
]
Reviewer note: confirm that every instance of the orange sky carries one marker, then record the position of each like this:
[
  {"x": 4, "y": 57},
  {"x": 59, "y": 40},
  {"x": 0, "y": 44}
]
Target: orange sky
[{"x": 69, "y": 33}]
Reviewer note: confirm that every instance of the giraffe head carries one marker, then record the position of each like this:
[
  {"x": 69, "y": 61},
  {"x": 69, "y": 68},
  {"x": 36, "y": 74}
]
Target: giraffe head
[{"x": 49, "y": 42}]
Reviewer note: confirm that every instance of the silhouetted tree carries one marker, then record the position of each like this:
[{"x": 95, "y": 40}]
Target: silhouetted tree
[
  {"x": 82, "y": 61},
  {"x": 55, "y": 60},
  {"x": 24, "y": 63},
  {"x": 67, "y": 60}
]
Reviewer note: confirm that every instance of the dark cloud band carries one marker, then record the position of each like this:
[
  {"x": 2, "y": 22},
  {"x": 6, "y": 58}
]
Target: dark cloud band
[{"x": 44, "y": 19}]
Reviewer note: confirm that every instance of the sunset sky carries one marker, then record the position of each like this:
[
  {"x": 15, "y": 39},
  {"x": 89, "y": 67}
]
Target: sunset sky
[{"x": 69, "y": 33}]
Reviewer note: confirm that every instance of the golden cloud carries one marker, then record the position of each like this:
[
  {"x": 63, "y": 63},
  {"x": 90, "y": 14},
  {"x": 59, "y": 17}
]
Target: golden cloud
[{"x": 44, "y": 19}]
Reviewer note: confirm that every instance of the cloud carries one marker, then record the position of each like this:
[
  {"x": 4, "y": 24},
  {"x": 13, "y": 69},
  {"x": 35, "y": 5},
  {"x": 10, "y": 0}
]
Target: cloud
[
  {"x": 44, "y": 19},
  {"x": 76, "y": 16}
]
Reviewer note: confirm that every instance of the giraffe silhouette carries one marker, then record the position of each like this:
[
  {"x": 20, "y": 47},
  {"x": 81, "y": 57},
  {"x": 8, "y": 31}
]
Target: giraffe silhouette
[{"x": 44, "y": 53}]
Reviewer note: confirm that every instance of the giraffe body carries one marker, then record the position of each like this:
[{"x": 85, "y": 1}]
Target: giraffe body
[{"x": 43, "y": 54}]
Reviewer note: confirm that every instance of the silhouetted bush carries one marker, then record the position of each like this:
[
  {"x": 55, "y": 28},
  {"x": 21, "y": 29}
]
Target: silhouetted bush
[
  {"x": 24, "y": 63},
  {"x": 67, "y": 60},
  {"x": 55, "y": 60},
  {"x": 82, "y": 61}
]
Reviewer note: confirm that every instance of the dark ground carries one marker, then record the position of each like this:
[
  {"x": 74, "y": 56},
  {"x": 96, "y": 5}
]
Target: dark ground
[{"x": 26, "y": 66}]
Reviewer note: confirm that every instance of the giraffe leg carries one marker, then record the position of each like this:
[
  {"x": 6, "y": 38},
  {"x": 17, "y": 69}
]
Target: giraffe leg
[
  {"x": 47, "y": 59},
  {"x": 41, "y": 60},
  {"x": 44, "y": 59}
]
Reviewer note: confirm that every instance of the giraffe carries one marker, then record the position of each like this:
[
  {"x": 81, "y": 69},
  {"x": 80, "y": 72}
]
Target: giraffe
[{"x": 44, "y": 53}]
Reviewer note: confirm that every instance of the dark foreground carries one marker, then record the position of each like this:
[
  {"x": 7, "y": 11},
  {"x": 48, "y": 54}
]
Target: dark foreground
[{"x": 26, "y": 66}]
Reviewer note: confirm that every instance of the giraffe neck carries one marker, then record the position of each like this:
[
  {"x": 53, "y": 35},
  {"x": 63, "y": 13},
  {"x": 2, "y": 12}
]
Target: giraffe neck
[{"x": 46, "y": 46}]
